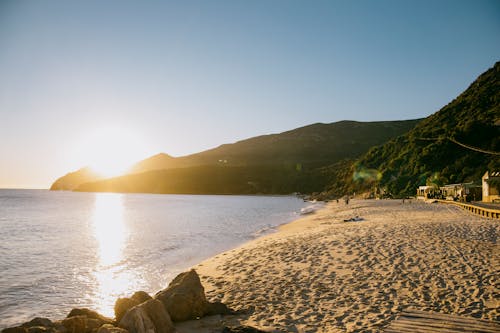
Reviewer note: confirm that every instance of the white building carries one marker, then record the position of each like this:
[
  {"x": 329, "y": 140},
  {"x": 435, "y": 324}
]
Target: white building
[{"x": 491, "y": 186}]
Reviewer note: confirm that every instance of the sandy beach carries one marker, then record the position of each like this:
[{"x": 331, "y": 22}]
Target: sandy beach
[{"x": 321, "y": 274}]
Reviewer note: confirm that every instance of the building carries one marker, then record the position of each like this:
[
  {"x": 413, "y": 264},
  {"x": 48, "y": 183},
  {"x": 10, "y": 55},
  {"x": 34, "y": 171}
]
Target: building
[
  {"x": 491, "y": 186},
  {"x": 464, "y": 192},
  {"x": 426, "y": 192}
]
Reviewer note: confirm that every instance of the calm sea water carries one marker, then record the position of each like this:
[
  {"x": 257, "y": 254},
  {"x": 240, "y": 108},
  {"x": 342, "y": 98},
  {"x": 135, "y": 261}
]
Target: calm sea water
[{"x": 60, "y": 250}]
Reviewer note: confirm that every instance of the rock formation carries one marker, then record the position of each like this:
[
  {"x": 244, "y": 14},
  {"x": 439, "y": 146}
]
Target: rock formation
[
  {"x": 122, "y": 305},
  {"x": 184, "y": 298},
  {"x": 147, "y": 317}
]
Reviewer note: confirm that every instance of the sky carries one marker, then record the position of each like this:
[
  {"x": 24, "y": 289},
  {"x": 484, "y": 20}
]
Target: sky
[{"x": 117, "y": 81}]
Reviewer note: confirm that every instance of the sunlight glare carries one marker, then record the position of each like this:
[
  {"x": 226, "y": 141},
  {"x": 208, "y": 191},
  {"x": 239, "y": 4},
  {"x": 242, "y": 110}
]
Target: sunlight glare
[
  {"x": 111, "y": 150},
  {"x": 109, "y": 227},
  {"x": 112, "y": 276}
]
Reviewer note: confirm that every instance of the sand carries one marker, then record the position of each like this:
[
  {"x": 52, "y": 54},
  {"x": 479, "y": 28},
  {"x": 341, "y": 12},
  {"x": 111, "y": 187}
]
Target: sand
[{"x": 321, "y": 274}]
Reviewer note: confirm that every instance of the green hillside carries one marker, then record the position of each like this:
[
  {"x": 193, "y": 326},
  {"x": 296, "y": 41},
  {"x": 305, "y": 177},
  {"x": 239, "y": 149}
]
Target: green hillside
[
  {"x": 288, "y": 162},
  {"x": 311, "y": 146},
  {"x": 434, "y": 151}
]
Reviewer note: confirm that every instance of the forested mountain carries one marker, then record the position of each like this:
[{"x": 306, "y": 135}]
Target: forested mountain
[
  {"x": 309, "y": 146},
  {"x": 455, "y": 144},
  {"x": 278, "y": 163}
]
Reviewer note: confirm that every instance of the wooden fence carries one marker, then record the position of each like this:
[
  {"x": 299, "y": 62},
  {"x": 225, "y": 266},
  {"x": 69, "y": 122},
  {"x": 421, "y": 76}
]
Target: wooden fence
[{"x": 486, "y": 212}]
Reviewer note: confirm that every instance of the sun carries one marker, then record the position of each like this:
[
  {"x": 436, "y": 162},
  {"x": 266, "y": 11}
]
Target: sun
[{"x": 111, "y": 150}]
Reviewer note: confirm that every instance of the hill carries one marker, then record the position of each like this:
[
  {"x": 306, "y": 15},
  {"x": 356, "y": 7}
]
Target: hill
[
  {"x": 72, "y": 180},
  {"x": 278, "y": 163},
  {"x": 309, "y": 146},
  {"x": 442, "y": 149},
  {"x": 157, "y": 162}
]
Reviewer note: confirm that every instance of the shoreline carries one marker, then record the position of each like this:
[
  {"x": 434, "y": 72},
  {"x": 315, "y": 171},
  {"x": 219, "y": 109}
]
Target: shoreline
[
  {"x": 321, "y": 274},
  {"x": 264, "y": 216}
]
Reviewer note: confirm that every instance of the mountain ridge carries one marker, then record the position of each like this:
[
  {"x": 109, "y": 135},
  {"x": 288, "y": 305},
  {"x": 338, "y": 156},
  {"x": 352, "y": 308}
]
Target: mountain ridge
[
  {"x": 304, "y": 149},
  {"x": 434, "y": 151}
]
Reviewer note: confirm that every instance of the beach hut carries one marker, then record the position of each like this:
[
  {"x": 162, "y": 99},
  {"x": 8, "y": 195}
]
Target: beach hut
[
  {"x": 425, "y": 192},
  {"x": 491, "y": 186},
  {"x": 461, "y": 192}
]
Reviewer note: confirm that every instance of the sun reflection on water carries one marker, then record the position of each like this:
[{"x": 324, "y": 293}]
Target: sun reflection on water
[
  {"x": 111, "y": 274},
  {"x": 109, "y": 227}
]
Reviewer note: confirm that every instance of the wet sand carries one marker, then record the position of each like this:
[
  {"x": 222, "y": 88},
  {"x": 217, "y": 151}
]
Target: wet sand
[{"x": 321, "y": 274}]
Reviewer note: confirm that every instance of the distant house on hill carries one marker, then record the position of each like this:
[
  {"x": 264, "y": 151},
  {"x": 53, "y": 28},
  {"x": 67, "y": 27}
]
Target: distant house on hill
[{"x": 491, "y": 186}]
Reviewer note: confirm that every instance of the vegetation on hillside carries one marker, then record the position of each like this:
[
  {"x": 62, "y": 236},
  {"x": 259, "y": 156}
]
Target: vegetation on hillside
[
  {"x": 214, "y": 179},
  {"x": 433, "y": 152},
  {"x": 288, "y": 162},
  {"x": 450, "y": 146}
]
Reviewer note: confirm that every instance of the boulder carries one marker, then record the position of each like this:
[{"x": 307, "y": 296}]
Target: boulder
[
  {"x": 17, "y": 329},
  {"x": 184, "y": 298},
  {"x": 107, "y": 328},
  {"x": 89, "y": 314},
  {"x": 147, "y": 317},
  {"x": 81, "y": 324},
  {"x": 41, "y": 329},
  {"x": 38, "y": 321},
  {"x": 122, "y": 305},
  {"x": 141, "y": 296},
  {"x": 218, "y": 308},
  {"x": 75, "y": 324}
]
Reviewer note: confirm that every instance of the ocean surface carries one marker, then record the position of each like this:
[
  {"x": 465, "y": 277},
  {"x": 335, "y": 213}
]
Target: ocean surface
[{"x": 60, "y": 250}]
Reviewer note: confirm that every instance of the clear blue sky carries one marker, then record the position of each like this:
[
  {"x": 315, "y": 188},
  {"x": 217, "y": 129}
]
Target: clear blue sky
[{"x": 185, "y": 76}]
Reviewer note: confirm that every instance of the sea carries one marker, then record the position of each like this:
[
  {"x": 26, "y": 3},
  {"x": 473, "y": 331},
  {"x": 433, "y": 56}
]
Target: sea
[{"x": 61, "y": 250}]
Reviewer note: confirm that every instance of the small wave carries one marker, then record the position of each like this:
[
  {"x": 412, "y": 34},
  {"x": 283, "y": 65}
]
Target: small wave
[
  {"x": 264, "y": 231},
  {"x": 311, "y": 208}
]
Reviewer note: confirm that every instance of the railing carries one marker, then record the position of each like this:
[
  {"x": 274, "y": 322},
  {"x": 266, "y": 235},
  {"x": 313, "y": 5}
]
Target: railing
[{"x": 486, "y": 212}]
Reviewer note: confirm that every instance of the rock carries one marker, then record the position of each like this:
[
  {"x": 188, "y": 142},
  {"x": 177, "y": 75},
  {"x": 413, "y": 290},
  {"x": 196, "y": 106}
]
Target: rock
[
  {"x": 89, "y": 314},
  {"x": 107, "y": 328},
  {"x": 59, "y": 327},
  {"x": 141, "y": 296},
  {"x": 242, "y": 329},
  {"x": 147, "y": 317},
  {"x": 75, "y": 324},
  {"x": 184, "y": 298},
  {"x": 36, "y": 325},
  {"x": 93, "y": 324},
  {"x": 218, "y": 308},
  {"x": 17, "y": 329},
  {"x": 82, "y": 320},
  {"x": 122, "y": 305},
  {"x": 81, "y": 324},
  {"x": 40, "y": 329},
  {"x": 39, "y": 321}
]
